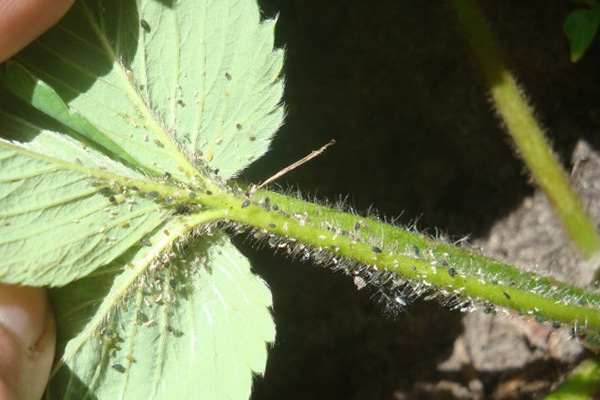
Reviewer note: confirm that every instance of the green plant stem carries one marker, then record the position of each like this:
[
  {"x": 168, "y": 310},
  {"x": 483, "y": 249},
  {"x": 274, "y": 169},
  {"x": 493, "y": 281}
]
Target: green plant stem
[
  {"x": 433, "y": 266},
  {"x": 524, "y": 129},
  {"x": 582, "y": 384}
]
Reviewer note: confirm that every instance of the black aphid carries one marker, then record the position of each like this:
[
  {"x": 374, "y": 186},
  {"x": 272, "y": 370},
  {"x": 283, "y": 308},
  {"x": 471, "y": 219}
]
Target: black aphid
[
  {"x": 238, "y": 126},
  {"x": 376, "y": 249},
  {"x": 135, "y": 188},
  {"x": 208, "y": 192},
  {"x": 153, "y": 194},
  {"x": 145, "y": 25},
  {"x": 506, "y": 295},
  {"x": 356, "y": 226},
  {"x": 192, "y": 195},
  {"x": 245, "y": 203},
  {"x": 112, "y": 199},
  {"x": 271, "y": 225},
  {"x": 416, "y": 249},
  {"x": 452, "y": 272},
  {"x": 228, "y": 76}
]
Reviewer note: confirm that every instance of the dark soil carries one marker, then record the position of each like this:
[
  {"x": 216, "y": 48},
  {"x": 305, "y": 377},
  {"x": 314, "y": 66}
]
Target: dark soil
[{"x": 394, "y": 83}]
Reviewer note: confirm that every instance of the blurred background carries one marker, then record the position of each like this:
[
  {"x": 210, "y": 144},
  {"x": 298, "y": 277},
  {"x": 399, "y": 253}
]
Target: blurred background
[{"x": 395, "y": 85}]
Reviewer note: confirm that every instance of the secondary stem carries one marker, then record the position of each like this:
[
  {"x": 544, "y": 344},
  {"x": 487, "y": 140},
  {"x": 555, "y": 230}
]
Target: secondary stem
[{"x": 524, "y": 129}]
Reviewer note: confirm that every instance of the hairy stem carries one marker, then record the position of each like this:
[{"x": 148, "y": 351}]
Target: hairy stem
[
  {"x": 528, "y": 136},
  {"x": 362, "y": 246}
]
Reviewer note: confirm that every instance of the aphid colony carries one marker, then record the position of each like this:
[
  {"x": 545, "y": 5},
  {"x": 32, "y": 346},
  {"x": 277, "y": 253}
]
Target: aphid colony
[
  {"x": 159, "y": 285},
  {"x": 389, "y": 289}
]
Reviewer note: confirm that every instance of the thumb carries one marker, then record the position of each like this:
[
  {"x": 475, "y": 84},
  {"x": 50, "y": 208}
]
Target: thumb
[{"x": 27, "y": 342}]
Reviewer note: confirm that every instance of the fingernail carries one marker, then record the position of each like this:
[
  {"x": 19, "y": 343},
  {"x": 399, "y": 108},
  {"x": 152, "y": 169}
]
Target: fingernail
[{"x": 24, "y": 313}]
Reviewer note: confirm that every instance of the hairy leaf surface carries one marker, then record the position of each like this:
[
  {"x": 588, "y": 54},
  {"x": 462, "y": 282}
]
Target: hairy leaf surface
[
  {"x": 103, "y": 119},
  {"x": 194, "y": 328}
]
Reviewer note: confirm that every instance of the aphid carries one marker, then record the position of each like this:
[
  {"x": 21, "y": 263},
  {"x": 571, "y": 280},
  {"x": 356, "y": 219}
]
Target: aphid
[
  {"x": 271, "y": 225},
  {"x": 238, "y": 126},
  {"x": 105, "y": 191},
  {"x": 141, "y": 317},
  {"x": 145, "y": 25},
  {"x": 112, "y": 199},
  {"x": 192, "y": 195},
  {"x": 351, "y": 265},
  {"x": 357, "y": 226},
  {"x": 130, "y": 358},
  {"x": 208, "y": 192},
  {"x": 173, "y": 284},
  {"x": 245, "y": 203},
  {"x": 166, "y": 232},
  {"x": 416, "y": 249},
  {"x": 252, "y": 138},
  {"x": 124, "y": 224},
  {"x": 168, "y": 175},
  {"x": 217, "y": 171},
  {"x": 506, "y": 295},
  {"x": 228, "y": 76},
  {"x": 180, "y": 102},
  {"x": 275, "y": 207},
  {"x": 209, "y": 157},
  {"x": 376, "y": 249},
  {"x": 135, "y": 188},
  {"x": 153, "y": 194},
  {"x": 452, "y": 272},
  {"x": 146, "y": 242},
  {"x": 118, "y": 368},
  {"x": 158, "y": 143}
]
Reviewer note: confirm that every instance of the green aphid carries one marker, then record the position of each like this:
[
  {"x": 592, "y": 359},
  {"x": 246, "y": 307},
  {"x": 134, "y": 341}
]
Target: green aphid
[
  {"x": 145, "y": 25},
  {"x": 118, "y": 367}
]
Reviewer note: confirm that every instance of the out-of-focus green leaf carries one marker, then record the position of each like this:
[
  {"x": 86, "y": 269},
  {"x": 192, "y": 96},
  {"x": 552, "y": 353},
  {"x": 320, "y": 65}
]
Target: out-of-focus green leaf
[{"x": 581, "y": 26}]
